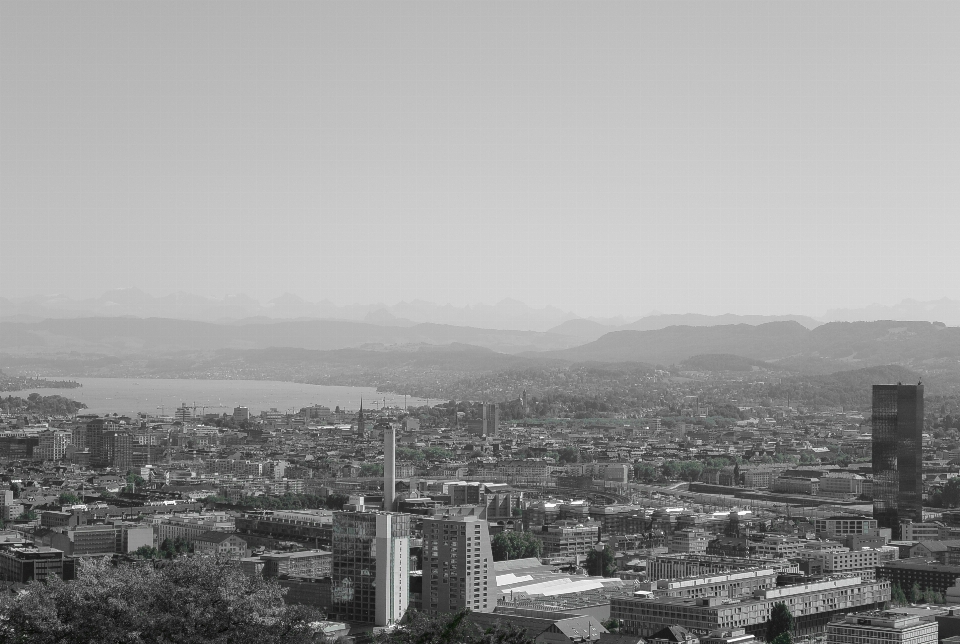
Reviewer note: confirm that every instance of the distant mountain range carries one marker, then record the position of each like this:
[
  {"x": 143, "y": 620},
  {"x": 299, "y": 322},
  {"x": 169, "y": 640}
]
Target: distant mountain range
[
  {"x": 505, "y": 315},
  {"x": 591, "y": 330},
  {"x": 829, "y": 347},
  {"x": 944, "y": 310},
  {"x": 155, "y": 336}
]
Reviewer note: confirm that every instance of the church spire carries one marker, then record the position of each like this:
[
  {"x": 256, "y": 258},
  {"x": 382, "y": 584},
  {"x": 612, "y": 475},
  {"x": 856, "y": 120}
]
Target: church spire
[{"x": 360, "y": 423}]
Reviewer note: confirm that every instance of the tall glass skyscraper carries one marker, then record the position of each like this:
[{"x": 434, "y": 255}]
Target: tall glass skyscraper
[
  {"x": 897, "y": 455},
  {"x": 371, "y": 553}
]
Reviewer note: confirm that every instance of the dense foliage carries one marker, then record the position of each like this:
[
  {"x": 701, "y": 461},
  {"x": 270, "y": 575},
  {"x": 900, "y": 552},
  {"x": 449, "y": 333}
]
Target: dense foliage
[
  {"x": 601, "y": 563},
  {"x": 515, "y": 545},
  {"x": 188, "y": 600},
  {"x": 781, "y": 621},
  {"x": 43, "y": 405},
  {"x": 418, "y": 628}
]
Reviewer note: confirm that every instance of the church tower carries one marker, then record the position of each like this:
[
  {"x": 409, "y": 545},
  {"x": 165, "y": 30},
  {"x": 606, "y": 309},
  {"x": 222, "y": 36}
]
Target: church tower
[{"x": 360, "y": 427}]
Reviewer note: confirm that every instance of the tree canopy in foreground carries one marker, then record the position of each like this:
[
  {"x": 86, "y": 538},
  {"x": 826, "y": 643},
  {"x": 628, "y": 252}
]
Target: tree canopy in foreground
[
  {"x": 455, "y": 628},
  {"x": 189, "y": 600}
]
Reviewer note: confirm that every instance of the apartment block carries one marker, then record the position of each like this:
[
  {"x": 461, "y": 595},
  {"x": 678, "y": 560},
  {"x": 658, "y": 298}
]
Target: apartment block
[
  {"x": 888, "y": 627},
  {"x": 191, "y": 526},
  {"x": 25, "y": 563},
  {"x": 676, "y": 566},
  {"x": 812, "y": 605},
  {"x": 567, "y": 539},
  {"x": 457, "y": 565},
  {"x": 220, "y": 544},
  {"x": 302, "y": 563}
]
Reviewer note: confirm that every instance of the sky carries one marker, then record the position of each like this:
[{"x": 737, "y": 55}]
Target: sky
[{"x": 610, "y": 158}]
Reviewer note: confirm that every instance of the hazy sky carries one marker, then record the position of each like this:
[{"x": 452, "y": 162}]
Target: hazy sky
[{"x": 605, "y": 157}]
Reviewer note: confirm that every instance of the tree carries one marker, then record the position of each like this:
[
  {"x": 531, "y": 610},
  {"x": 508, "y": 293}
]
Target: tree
[
  {"x": 783, "y": 638},
  {"x": 950, "y": 496},
  {"x": 147, "y": 552},
  {"x": 646, "y": 472},
  {"x": 612, "y": 625},
  {"x": 897, "y": 596},
  {"x": 134, "y": 481},
  {"x": 68, "y": 498},
  {"x": 569, "y": 455},
  {"x": 371, "y": 469},
  {"x": 508, "y": 545},
  {"x": 916, "y": 595},
  {"x": 601, "y": 563},
  {"x": 189, "y": 600},
  {"x": 781, "y": 621},
  {"x": 27, "y": 515},
  {"x": 418, "y": 628}
]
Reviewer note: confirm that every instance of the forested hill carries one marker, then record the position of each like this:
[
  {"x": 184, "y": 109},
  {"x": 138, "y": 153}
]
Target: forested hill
[{"x": 41, "y": 405}]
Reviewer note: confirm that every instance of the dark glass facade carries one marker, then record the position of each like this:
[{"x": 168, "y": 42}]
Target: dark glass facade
[{"x": 897, "y": 455}]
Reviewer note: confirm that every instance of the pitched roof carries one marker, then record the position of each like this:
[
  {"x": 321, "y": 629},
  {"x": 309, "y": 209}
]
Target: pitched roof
[
  {"x": 673, "y": 634},
  {"x": 212, "y": 536}
]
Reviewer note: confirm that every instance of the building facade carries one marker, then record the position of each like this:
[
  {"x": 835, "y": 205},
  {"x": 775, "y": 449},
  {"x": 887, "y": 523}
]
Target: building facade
[
  {"x": 888, "y": 627},
  {"x": 457, "y": 565},
  {"x": 897, "y": 455},
  {"x": 371, "y": 552},
  {"x": 812, "y": 605}
]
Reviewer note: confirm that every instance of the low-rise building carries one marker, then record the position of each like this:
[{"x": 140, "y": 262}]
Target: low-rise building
[
  {"x": 812, "y": 605},
  {"x": 25, "y": 563},
  {"x": 220, "y": 544},
  {"x": 889, "y": 627},
  {"x": 302, "y": 563},
  {"x": 566, "y": 539}
]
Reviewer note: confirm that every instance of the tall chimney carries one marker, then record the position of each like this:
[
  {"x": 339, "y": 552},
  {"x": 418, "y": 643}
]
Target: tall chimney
[{"x": 389, "y": 466}]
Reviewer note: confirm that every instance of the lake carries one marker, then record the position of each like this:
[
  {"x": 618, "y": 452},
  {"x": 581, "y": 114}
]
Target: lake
[{"x": 156, "y": 396}]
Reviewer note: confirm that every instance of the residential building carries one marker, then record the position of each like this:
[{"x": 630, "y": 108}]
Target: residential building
[
  {"x": 812, "y": 605},
  {"x": 52, "y": 445},
  {"x": 98, "y": 539},
  {"x": 675, "y": 566},
  {"x": 191, "y": 526},
  {"x": 220, "y": 544},
  {"x": 889, "y": 627},
  {"x": 25, "y": 563},
  {"x": 842, "y": 485},
  {"x": 302, "y": 563},
  {"x": 926, "y": 574},
  {"x": 457, "y": 565},
  {"x": 313, "y": 527},
  {"x": 727, "y": 584},
  {"x": 897, "y": 455},
  {"x": 841, "y": 525},
  {"x": 689, "y": 540},
  {"x": 567, "y": 539}
]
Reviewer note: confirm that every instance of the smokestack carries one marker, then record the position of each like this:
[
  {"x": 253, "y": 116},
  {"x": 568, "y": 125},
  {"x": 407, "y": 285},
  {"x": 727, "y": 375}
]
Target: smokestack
[{"x": 389, "y": 466}]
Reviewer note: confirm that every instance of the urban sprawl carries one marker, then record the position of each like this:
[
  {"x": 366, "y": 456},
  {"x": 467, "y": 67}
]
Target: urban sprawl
[{"x": 780, "y": 527}]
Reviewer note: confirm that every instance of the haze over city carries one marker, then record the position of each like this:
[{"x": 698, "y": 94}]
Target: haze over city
[
  {"x": 610, "y": 160},
  {"x": 382, "y": 322}
]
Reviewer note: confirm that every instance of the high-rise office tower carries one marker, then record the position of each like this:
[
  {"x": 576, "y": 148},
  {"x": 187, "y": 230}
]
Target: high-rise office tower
[
  {"x": 457, "y": 564},
  {"x": 371, "y": 552},
  {"x": 95, "y": 439},
  {"x": 897, "y": 455},
  {"x": 491, "y": 419}
]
